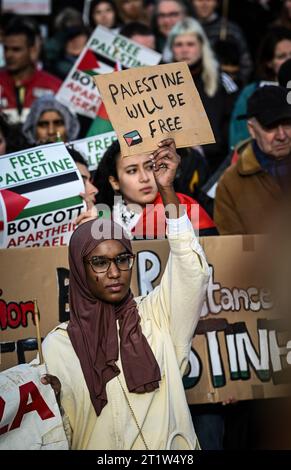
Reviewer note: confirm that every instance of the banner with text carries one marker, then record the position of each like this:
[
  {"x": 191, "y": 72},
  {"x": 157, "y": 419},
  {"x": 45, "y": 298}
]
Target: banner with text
[
  {"x": 240, "y": 348},
  {"x": 93, "y": 148},
  {"x": 39, "y": 197}
]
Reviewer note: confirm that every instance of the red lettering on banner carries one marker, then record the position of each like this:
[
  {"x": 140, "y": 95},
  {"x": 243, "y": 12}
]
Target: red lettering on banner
[
  {"x": 37, "y": 404},
  {"x": 30, "y": 400},
  {"x": 15, "y": 314},
  {"x": 4, "y": 429},
  {"x": 74, "y": 87}
]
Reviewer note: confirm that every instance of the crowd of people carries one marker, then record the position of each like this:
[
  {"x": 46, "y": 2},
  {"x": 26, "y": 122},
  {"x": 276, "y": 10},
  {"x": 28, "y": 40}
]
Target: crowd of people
[
  {"x": 237, "y": 184},
  {"x": 227, "y": 67}
]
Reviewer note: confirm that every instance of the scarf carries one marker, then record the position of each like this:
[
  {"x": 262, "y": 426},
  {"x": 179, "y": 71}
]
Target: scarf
[
  {"x": 279, "y": 169},
  {"x": 93, "y": 325}
]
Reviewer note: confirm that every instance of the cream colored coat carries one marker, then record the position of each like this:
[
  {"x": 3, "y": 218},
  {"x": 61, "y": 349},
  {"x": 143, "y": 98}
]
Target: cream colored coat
[{"x": 169, "y": 315}]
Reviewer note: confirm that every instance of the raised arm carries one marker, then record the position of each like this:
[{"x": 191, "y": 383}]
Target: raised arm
[
  {"x": 166, "y": 161},
  {"x": 176, "y": 303}
]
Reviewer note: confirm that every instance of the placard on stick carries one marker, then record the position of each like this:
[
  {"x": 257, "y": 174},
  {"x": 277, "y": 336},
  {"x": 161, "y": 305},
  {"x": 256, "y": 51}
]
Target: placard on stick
[{"x": 148, "y": 104}]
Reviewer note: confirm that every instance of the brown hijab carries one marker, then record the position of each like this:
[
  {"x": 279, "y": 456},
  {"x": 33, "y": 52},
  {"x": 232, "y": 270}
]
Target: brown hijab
[{"x": 93, "y": 330}]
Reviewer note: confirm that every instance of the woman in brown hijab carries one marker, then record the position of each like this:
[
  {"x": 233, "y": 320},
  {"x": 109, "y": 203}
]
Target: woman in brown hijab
[{"x": 119, "y": 360}]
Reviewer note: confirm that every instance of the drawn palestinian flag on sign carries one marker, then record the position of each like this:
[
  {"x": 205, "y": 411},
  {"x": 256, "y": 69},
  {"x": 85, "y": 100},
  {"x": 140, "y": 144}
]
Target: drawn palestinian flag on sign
[
  {"x": 132, "y": 138},
  {"x": 30, "y": 199}
]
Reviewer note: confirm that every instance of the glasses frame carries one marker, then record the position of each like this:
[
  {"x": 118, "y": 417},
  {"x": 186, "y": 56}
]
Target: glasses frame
[{"x": 111, "y": 260}]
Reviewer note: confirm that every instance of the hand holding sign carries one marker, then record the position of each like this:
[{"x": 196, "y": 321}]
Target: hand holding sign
[
  {"x": 165, "y": 161},
  {"x": 55, "y": 384}
]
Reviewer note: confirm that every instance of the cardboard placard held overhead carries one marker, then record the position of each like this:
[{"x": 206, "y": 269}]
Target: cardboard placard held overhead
[{"x": 148, "y": 104}]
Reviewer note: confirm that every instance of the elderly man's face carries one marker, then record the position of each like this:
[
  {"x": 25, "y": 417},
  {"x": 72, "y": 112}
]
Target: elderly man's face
[{"x": 275, "y": 141}]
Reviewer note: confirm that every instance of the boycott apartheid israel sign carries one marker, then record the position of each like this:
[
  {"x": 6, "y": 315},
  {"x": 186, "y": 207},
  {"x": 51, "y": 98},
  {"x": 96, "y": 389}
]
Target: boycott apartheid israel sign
[
  {"x": 148, "y": 104},
  {"x": 104, "y": 52},
  {"x": 240, "y": 348},
  {"x": 39, "y": 197},
  {"x": 93, "y": 148}
]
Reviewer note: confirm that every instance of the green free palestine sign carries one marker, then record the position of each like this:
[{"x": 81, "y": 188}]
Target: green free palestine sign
[{"x": 25, "y": 167}]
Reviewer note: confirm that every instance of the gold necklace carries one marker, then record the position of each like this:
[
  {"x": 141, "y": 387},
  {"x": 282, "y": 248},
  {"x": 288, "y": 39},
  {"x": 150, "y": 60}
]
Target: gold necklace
[{"x": 133, "y": 415}]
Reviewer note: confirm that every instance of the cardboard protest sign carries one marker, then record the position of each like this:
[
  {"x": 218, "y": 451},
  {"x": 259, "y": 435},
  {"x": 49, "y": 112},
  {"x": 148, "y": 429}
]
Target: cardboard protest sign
[
  {"x": 39, "y": 197},
  {"x": 29, "y": 414},
  {"x": 93, "y": 148},
  {"x": 27, "y": 7},
  {"x": 239, "y": 349},
  {"x": 104, "y": 52},
  {"x": 149, "y": 104}
]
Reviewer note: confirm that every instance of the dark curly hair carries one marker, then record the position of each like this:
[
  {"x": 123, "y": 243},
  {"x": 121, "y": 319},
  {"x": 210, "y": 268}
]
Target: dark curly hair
[{"x": 107, "y": 167}]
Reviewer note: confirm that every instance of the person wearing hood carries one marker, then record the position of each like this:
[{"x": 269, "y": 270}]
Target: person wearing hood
[{"x": 49, "y": 121}]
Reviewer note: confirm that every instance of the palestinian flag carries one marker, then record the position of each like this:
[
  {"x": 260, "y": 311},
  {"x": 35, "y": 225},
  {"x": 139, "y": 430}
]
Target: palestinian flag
[
  {"x": 102, "y": 122},
  {"x": 94, "y": 64},
  {"x": 132, "y": 138},
  {"x": 30, "y": 199}
]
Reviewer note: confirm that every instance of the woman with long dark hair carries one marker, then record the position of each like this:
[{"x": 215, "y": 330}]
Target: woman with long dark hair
[{"x": 128, "y": 188}]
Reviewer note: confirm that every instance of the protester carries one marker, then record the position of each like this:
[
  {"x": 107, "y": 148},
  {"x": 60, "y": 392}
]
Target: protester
[
  {"x": 74, "y": 41},
  {"x": 128, "y": 394},
  {"x": 250, "y": 191},
  {"x": 131, "y": 10},
  {"x": 69, "y": 19},
  {"x": 140, "y": 33},
  {"x": 50, "y": 121},
  {"x": 20, "y": 81},
  {"x": 215, "y": 26},
  {"x": 127, "y": 186},
  {"x": 189, "y": 43},
  {"x": 167, "y": 13},
  {"x": 90, "y": 190},
  {"x": 274, "y": 50},
  {"x": 104, "y": 13}
]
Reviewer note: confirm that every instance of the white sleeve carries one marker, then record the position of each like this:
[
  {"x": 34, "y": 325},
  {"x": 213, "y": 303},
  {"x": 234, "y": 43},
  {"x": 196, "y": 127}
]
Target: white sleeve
[
  {"x": 176, "y": 303},
  {"x": 175, "y": 227}
]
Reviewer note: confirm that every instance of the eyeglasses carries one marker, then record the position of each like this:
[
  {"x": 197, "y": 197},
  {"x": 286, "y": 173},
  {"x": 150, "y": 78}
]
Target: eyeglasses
[
  {"x": 171, "y": 14},
  {"x": 101, "y": 264}
]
